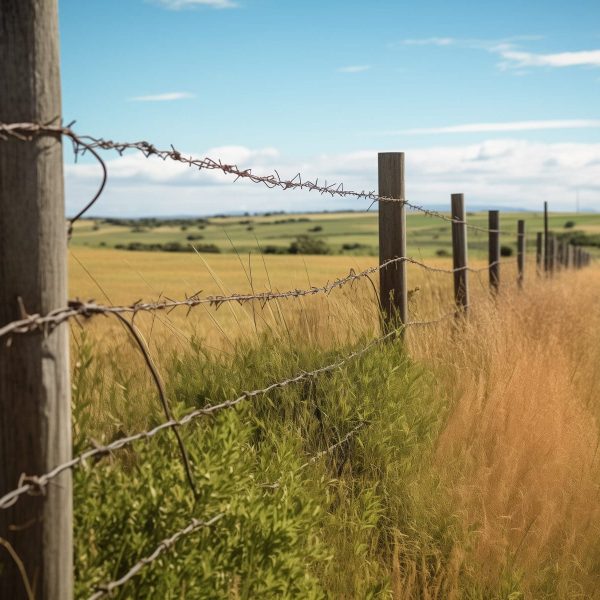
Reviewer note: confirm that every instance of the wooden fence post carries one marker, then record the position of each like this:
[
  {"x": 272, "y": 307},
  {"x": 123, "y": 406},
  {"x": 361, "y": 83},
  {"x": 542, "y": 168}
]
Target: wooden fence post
[
  {"x": 35, "y": 403},
  {"x": 546, "y": 240},
  {"x": 459, "y": 253},
  {"x": 559, "y": 258},
  {"x": 494, "y": 249},
  {"x": 553, "y": 254},
  {"x": 539, "y": 252},
  {"x": 564, "y": 254},
  {"x": 570, "y": 256},
  {"x": 392, "y": 238},
  {"x": 521, "y": 249}
]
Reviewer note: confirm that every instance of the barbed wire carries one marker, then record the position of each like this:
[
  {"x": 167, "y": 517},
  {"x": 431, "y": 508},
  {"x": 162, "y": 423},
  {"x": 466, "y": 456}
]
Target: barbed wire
[
  {"x": 87, "y": 309},
  {"x": 197, "y": 524},
  {"x": 87, "y": 143},
  {"x": 36, "y": 484},
  {"x": 193, "y": 526}
]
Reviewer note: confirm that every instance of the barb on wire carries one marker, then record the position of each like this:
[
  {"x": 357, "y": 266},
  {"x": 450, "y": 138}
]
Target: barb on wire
[
  {"x": 193, "y": 526},
  {"x": 313, "y": 459},
  {"x": 78, "y": 308},
  {"x": 36, "y": 484},
  {"x": 26, "y": 131},
  {"x": 333, "y": 447},
  {"x": 197, "y": 524},
  {"x": 86, "y": 143}
]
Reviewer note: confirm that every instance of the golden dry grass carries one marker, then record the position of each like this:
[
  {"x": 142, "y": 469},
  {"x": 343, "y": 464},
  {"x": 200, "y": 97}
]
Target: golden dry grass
[
  {"x": 519, "y": 452},
  {"x": 520, "y": 449}
]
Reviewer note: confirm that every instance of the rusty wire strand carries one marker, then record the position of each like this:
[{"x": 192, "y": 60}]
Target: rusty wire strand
[
  {"x": 78, "y": 308},
  {"x": 162, "y": 394},
  {"x": 193, "y": 526},
  {"x": 197, "y": 524},
  {"x": 36, "y": 484},
  {"x": 86, "y": 143}
]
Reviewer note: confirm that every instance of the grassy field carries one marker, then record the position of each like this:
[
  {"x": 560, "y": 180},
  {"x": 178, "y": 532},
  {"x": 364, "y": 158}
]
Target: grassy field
[
  {"x": 474, "y": 474},
  {"x": 426, "y": 235}
]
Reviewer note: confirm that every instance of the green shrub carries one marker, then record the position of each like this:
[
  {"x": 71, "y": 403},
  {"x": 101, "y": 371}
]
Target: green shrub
[
  {"x": 305, "y": 244},
  {"x": 506, "y": 251},
  {"x": 291, "y": 528}
]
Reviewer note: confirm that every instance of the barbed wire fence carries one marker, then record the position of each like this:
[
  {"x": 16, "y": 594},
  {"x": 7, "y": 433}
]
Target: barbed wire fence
[{"x": 393, "y": 300}]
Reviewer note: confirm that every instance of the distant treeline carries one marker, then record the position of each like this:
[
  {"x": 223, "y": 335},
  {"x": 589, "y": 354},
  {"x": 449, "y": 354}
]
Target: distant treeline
[
  {"x": 168, "y": 247},
  {"x": 152, "y": 222}
]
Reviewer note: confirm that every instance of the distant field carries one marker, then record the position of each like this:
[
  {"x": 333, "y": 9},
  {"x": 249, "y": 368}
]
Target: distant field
[{"x": 350, "y": 233}]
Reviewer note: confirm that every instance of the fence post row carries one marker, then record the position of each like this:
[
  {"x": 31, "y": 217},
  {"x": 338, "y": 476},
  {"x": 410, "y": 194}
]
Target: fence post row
[
  {"x": 494, "y": 249},
  {"x": 546, "y": 240},
  {"x": 539, "y": 252},
  {"x": 392, "y": 238},
  {"x": 521, "y": 249},
  {"x": 35, "y": 404},
  {"x": 459, "y": 253}
]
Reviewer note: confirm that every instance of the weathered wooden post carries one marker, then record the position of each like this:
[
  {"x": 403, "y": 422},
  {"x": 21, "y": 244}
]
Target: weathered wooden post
[
  {"x": 546, "y": 240},
  {"x": 564, "y": 254},
  {"x": 539, "y": 252},
  {"x": 553, "y": 254},
  {"x": 392, "y": 238},
  {"x": 570, "y": 256},
  {"x": 494, "y": 249},
  {"x": 521, "y": 249},
  {"x": 35, "y": 404},
  {"x": 459, "y": 254}
]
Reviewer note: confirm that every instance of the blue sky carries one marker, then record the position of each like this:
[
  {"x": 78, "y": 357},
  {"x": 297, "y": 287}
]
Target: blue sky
[{"x": 499, "y": 100}]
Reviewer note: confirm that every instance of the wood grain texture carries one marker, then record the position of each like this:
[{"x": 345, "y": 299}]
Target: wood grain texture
[
  {"x": 520, "y": 252},
  {"x": 459, "y": 252},
  {"x": 546, "y": 240},
  {"x": 35, "y": 427},
  {"x": 494, "y": 249},
  {"x": 392, "y": 237}
]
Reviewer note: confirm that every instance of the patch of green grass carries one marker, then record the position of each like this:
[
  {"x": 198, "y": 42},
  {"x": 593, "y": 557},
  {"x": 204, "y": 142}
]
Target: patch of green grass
[
  {"x": 426, "y": 234},
  {"x": 332, "y": 529}
]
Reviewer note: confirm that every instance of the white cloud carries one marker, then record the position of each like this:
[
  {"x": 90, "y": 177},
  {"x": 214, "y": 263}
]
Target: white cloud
[
  {"x": 512, "y": 55},
  {"x": 519, "y": 59},
  {"x": 179, "y": 4},
  {"x": 168, "y": 97},
  {"x": 354, "y": 69},
  {"x": 433, "y": 41},
  {"x": 504, "y": 127},
  {"x": 507, "y": 172}
]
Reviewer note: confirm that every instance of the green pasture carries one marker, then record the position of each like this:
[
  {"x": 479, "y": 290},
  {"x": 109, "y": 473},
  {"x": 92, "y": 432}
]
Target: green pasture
[{"x": 427, "y": 236}]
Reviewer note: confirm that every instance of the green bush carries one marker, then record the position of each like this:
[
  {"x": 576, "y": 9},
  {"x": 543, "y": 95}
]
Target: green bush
[
  {"x": 506, "y": 251},
  {"x": 305, "y": 244},
  {"x": 291, "y": 528}
]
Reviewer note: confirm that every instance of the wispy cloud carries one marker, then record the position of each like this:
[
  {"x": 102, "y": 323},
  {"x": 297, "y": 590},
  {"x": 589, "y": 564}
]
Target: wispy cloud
[
  {"x": 354, "y": 69},
  {"x": 433, "y": 41},
  {"x": 168, "y": 97},
  {"x": 503, "y": 127},
  {"x": 179, "y": 4},
  {"x": 474, "y": 43},
  {"x": 512, "y": 55},
  {"x": 519, "y": 59}
]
